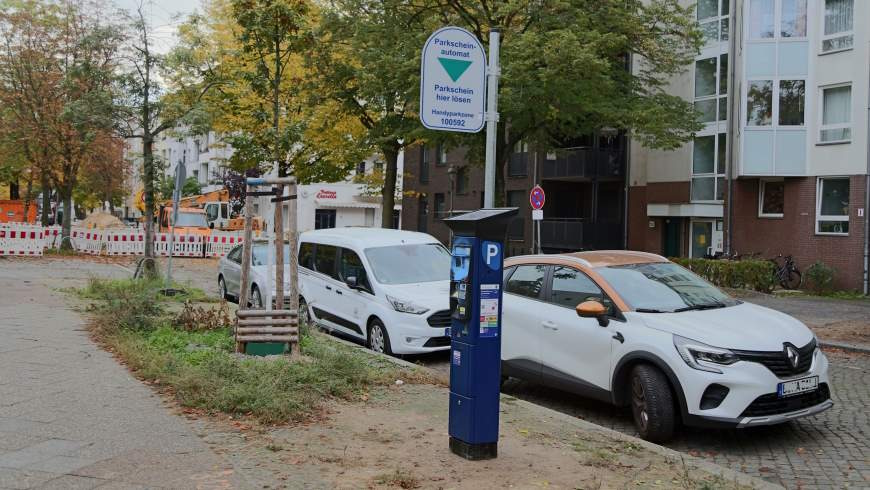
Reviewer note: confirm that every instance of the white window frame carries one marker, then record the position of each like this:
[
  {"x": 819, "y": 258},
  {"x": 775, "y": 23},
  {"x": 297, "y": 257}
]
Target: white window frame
[
  {"x": 715, "y": 175},
  {"x": 774, "y": 116},
  {"x": 824, "y": 37},
  {"x": 718, "y": 96},
  {"x": 717, "y": 19},
  {"x": 821, "y": 116},
  {"x": 777, "y": 24},
  {"x": 761, "y": 213},
  {"x": 819, "y": 217}
]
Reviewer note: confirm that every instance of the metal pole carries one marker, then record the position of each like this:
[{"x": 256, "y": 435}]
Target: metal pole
[
  {"x": 279, "y": 249},
  {"x": 493, "y": 73},
  {"x": 733, "y": 98},
  {"x": 867, "y": 207},
  {"x": 535, "y": 180},
  {"x": 180, "y": 175}
]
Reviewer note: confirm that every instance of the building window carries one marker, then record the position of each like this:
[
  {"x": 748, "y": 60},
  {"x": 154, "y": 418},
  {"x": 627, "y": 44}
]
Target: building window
[
  {"x": 836, "y": 114},
  {"x": 442, "y": 155},
  {"x": 517, "y": 225},
  {"x": 771, "y": 198},
  {"x": 361, "y": 168},
  {"x": 424, "y": 164},
  {"x": 324, "y": 218},
  {"x": 379, "y": 166},
  {"x": 792, "y": 94},
  {"x": 462, "y": 180},
  {"x": 832, "y": 209},
  {"x": 440, "y": 208},
  {"x": 519, "y": 159},
  {"x": 793, "y": 22},
  {"x": 761, "y": 19},
  {"x": 759, "y": 111},
  {"x": 711, "y": 88},
  {"x": 838, "y": 25},
  {"x": 713, "y": 20},
  {"x": 708, "y": 167},
  {"x": 422, "y": 214}
]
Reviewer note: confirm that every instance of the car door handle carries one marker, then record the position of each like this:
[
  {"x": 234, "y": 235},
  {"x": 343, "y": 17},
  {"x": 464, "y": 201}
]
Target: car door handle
[
  {"x": 549, "y": 325},
  {"x": 329, "y": 288},
  {"x": 338, "y": 292}
]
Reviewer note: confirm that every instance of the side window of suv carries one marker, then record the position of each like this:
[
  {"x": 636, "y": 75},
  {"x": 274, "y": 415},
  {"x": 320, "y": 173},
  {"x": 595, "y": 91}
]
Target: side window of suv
[
  {"x": 527, "y": 280},
  {"x": 306, "y": 255},
  {"x": 235, "y": 255},
  {"x": 351, "y": 266},
  {"x": 324, "y": 260},
  {"x": 572, "y": 287}
]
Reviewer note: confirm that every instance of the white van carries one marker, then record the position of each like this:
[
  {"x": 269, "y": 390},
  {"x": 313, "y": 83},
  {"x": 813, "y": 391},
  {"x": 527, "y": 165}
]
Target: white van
[{"x": 388, "y": 288}]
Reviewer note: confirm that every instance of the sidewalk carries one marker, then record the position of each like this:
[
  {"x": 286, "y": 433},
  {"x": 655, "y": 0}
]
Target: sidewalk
[{"x": 70, "y": 416}]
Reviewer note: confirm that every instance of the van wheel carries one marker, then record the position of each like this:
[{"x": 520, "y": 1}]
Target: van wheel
[
  {"x": 256, "y": 298},
  {"x": 379, "y": 339},
  {"x": 652, "y": 403},
  {"x": 304, "y": 316},
  {"x": 222, "y": 288}
]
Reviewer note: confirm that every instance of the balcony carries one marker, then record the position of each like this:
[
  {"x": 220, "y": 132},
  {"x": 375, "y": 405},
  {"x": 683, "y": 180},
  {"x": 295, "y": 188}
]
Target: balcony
[
  {"x": 575, "y": 234},
  {"x": 586, "y": 163}
]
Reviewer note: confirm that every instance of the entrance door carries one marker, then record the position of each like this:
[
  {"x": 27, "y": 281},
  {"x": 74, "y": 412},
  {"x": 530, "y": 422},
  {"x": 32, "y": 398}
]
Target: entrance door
[
  {"x": 673, "y": 235},
  {"x": 706, "y": 238}
]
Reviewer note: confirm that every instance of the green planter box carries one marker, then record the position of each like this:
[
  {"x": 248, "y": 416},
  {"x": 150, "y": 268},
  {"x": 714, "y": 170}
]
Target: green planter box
[{"x": 265, "y": 348}]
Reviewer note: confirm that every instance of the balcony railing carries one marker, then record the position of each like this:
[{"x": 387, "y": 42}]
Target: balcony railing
[{"x": 587, "y": 163}]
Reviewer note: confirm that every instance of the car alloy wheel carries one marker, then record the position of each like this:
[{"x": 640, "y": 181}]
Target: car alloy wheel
[
  {"x": 222, "y": 286},
  {"x": 256, "y": 298}
]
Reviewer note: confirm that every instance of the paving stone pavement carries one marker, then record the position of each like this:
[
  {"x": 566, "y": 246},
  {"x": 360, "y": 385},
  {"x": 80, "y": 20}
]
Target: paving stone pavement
[
  {"x": 71, "y": 417},
  {"x": 829, "y": 450}
]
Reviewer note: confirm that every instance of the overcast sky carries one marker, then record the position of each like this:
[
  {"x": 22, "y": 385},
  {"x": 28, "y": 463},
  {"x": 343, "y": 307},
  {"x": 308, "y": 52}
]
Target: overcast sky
[{"x": 164, "y": 16}]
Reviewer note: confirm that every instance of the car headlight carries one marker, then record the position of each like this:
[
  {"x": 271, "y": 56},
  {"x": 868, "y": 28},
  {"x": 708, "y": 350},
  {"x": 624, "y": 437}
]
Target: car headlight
[
  {"x": 698, "y": 355},
  {"x": 405, "y": 306}
]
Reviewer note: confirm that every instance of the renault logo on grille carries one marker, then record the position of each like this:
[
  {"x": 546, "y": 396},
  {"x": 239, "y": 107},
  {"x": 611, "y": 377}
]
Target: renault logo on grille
[{"x": 793, "y": 356}]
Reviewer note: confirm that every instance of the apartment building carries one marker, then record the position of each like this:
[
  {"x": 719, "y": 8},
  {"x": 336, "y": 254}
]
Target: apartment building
[{"x": 781, "y": 165}]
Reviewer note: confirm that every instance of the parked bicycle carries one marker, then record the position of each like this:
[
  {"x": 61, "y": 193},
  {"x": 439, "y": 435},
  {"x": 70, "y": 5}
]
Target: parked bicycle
[{"x": 787, "y": 273}]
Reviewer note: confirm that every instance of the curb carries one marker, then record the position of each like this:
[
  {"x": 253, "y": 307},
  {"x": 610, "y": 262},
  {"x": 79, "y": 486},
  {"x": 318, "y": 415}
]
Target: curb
[
  {"x": 692, "y": 462},
  {"x": 862, "y": 349}
]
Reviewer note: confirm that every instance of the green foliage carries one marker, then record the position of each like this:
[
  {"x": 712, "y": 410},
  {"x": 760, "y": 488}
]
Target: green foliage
[
  {"x": 757, "y": 275},
  {"x": 166, "y": 187},
  {"x": 820, "y": 278}
]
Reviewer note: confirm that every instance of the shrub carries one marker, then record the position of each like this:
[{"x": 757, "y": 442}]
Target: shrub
[
  {"x": 820, "y": 277},
  {"x": 749, "y": 274}
]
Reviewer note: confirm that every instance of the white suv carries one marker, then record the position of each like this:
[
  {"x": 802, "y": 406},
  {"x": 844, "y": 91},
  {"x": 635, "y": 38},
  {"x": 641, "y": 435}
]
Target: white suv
[
  {"x": 632, "y": 328},
  {"x": 388, "y": 288}
]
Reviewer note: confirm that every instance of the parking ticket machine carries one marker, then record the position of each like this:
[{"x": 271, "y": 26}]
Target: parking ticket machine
[{"x": 477, "y": 256}]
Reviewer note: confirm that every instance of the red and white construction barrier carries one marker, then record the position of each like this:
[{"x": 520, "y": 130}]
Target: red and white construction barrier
[
  {"x": 124, "y": 242},
  {"x": 87, "y": 241},
  {"x": 21, "y": 239},
  {"x": 52, "y": 236},
  {"x": 219, "y": 243},
  {"x": 182, "y": 246}
]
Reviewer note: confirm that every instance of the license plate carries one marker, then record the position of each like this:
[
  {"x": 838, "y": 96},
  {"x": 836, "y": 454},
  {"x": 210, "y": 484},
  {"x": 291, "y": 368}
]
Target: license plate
[
  {"x": 803, "y": 385},
  {"x": 447, "y": 332}
]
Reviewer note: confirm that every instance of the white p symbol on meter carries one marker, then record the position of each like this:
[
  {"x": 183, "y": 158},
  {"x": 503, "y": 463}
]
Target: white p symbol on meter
[{"x": 491, "y": 254}]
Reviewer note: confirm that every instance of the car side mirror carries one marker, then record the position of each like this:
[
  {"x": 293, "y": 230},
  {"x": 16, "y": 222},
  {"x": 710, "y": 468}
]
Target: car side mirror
[
  {"x": 351, "y": 282},
  {"x": 593, "y": 309}
]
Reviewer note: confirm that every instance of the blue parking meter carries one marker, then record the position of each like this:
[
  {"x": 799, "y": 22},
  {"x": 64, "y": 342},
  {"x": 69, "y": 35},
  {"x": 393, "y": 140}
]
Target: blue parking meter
[{"x": 475, "y": 303}]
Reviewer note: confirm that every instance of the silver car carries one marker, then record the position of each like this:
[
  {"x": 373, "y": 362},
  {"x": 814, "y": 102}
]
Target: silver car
[{"x": 230, "y": 272}]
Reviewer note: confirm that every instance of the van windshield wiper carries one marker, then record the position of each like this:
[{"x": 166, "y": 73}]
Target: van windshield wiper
[{"x": 702, "y": 306}]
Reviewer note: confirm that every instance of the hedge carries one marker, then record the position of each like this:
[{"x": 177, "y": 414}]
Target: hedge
[{"x": 750, "y": 274}]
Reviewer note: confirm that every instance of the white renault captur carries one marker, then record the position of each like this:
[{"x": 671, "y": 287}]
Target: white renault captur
[
  {"x": 388, "y": 288},
  {"x": 635, "y": 329}
]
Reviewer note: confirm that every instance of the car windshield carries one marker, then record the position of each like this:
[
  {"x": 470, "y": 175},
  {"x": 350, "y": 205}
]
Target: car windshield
[
  {"x": 191, "y": 219},
  {"x": 664, "y": 288},
  {"x": 407, "y": 264},
  {"x": 260, "y": 254}
]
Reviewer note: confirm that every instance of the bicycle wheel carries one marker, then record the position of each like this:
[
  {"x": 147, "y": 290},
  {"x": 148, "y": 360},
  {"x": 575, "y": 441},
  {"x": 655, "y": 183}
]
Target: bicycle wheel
[{"x": 791, "y": 280}]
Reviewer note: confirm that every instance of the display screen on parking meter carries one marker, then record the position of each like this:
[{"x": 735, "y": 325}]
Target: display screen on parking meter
[{"x": 460, "y": 265}]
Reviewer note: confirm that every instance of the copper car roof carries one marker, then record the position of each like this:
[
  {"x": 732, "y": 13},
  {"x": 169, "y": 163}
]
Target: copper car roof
[{"x": 604, "y": 258}]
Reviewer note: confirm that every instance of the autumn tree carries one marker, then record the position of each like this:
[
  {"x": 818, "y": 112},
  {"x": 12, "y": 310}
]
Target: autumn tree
[
  {"x": 105, "y": 176},
  {"x": 367, "y": 63}
]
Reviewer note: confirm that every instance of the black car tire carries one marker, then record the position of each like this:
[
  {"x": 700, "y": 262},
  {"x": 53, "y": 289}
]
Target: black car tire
[
  {"x": 377, "y": 328},
  {"x": 652, "y": 403}
]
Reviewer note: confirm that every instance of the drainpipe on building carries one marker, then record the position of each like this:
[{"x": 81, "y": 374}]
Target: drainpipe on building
[
  {"x": 733, "y": 99},
  {"x": 627, "y": 171}
]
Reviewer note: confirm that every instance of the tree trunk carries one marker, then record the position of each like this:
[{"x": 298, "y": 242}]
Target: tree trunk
[
  {"x": 148, "y": 185},
  {"x": 46, "y": 198},
  {"x": 66, "y": 196},
  {"x": 28, "y": 197},
  {"x": 388, "y": 202},
  {"x": 14, "y": 190}
]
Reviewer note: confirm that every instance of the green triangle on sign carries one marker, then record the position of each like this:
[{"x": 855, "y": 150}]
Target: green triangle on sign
[{"x": 454, "y": 68}]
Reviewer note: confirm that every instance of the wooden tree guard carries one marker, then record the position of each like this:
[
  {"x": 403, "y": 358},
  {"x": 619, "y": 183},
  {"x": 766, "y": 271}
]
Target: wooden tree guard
[{"x": 278, "y": 325}]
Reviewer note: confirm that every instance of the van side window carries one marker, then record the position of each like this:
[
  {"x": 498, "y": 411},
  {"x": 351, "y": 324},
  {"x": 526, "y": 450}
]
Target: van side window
[
  {"x": 351, "y": 265},
  {"x": 306, "y": 255},
  {"x": 527, "y": 280},
  {"x": 324, "y": 260},
  {"x": 572, "y": 287}
]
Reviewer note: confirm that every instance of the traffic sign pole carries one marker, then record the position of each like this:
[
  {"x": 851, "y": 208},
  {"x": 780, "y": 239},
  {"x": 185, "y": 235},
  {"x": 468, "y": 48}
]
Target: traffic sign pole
[{"x": 493, "y": 73}]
